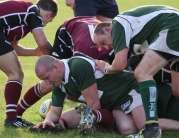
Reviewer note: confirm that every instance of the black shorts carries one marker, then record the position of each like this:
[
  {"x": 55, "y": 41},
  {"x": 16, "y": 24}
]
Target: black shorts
[
  {"x": 168, "y": 57},
  {"x": 5, "y": 45},
  {"x": 162, "y": 75},
  {"x": 106, "y": 8}
]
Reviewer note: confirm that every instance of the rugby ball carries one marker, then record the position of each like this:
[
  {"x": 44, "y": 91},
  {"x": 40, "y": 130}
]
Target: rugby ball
[{"x": 44, "y": 108}]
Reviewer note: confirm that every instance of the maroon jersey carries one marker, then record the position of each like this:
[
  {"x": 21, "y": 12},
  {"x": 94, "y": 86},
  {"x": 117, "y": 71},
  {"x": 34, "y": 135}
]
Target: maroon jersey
[
  {"x": 76, "y": 35},
  {"x": 18, "y": 18}
]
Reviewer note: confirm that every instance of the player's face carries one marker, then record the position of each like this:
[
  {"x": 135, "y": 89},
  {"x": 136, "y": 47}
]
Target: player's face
[
  {"x": 52, "y": 77},
  {"x": 46, "y": 18},
  {"x": 103, "y": 40}
]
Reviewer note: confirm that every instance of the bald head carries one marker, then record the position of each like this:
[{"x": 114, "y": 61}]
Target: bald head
[
  {"x": 44, "y": 63},
  {"x": 99, "y": 27}
]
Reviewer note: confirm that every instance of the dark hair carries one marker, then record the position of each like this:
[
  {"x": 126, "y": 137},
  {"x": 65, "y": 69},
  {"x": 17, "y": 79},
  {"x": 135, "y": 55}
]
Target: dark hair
[
  {"x": 48, "y": 5},
  {"x": 99, "y": 27}
]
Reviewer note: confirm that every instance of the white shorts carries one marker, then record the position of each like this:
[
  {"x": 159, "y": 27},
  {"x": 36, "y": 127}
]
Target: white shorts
[{"x": 137, "y": 101}]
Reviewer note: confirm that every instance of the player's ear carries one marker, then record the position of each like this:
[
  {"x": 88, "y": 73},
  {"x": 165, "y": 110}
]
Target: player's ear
[
  {"x": 55, "y": 66},
  {"x": 106, "y": 30},
  {"x": 49, "y": 14}
]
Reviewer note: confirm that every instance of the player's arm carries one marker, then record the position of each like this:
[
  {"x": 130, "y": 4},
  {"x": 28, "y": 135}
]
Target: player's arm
[
  {"x": 71, "y": 3},
  {"x": 52, "y": 116},
  {"x": 23, "y": 51},
  {"x": 121, "y": 43},
  {"x": 83, "y": 73},
  {"x": 119, "y": 63},
  {"x": 42, "y": 41},
  {"x": 91, "y": 96}
]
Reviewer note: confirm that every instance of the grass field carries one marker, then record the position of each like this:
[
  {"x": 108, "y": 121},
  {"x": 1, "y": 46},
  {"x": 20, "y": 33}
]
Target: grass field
[{"x": 30, "y": 79}]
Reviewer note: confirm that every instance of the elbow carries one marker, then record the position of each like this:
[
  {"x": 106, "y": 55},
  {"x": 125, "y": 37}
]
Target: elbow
[{"x": 45, "y": 48}]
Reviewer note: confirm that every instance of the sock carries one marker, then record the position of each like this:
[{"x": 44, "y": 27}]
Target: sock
[
  {"x": 149, "y": 96},
  {"x": 30, "y": 97},
  {"x": 104, "y": 117},
  {"x": 12, "y": 94},
  {"x": 63, "y": 122}
]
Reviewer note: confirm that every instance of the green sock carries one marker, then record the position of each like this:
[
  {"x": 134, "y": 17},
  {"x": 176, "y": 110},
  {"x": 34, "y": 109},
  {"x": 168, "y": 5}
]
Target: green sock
[{"x": 149, "y": 96}]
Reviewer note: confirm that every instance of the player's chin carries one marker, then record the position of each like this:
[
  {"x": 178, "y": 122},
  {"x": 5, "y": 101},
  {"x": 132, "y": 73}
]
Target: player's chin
[{"x": 56, "y": 84}]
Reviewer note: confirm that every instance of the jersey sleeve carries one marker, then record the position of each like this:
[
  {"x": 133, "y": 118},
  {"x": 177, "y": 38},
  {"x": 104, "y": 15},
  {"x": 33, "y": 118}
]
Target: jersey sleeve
[
  {"x": 58, "y": 97},
  {"x": 120, "y": 39},
  {"x": 34, "y": 19},
  {"x": 83, "y": 73}
]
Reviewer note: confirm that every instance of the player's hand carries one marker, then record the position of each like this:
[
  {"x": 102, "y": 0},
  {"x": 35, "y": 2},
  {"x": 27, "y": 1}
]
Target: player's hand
[
  {"x": 45, "y": 124},
  {"x": 38, "y": 52},
  {"x": 101, "y": 65},
  {"x": 71, "y": 3}
]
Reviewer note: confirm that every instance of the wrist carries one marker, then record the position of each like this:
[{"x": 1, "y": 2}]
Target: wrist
[{"x": 106, "y": 69}]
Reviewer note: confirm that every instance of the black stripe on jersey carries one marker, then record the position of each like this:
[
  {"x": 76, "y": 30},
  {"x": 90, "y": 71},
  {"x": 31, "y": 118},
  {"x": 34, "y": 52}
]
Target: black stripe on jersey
[{"x": 126, "y": 20}]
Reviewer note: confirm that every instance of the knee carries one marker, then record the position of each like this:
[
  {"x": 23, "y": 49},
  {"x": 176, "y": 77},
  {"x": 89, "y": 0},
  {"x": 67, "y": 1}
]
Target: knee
[
  {"x": 127, "y": 129},
  {"x": 45, "y": 88},
  {"x": 138, "y": 74},
  {"x": 20, "y": 74},
  {"x": 16, "y": 75}
]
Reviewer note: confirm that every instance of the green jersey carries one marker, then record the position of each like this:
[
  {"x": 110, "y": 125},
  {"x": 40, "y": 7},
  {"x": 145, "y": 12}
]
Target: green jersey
[
  {"x": 80, "y": 73},
  {"x": 147, "y": 27}
]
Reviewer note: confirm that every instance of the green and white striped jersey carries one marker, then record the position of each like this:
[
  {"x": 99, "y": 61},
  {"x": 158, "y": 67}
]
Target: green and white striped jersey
[
  {"x": 80, "y": 73},
  {"x": 147, "y": 27}
]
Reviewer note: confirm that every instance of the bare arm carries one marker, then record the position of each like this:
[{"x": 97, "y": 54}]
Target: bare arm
[
  {"x": 119, "y": 63},
  {"x": 52, "y": 116},
  {"x": 42, "y": 41},
  {"x": 23, "y": 51},
  {"x": 91, "y": 96}
]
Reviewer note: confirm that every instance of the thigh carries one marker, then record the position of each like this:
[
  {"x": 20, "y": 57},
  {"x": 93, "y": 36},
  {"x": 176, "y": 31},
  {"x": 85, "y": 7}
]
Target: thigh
[
  {"x": 71, "y": 118},
  {"x": 85, "y": 8},
  {"x": 150, "y": 64},
  {"x": 124, "y": 123},
  {"x": 10, "y": 65}
]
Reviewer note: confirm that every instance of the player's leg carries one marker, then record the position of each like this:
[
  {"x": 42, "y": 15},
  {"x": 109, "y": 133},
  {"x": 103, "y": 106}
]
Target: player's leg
[
  {"x": 70, "y": 119},
  {"x": 136, "y": 109},
  {"x": 170, "y": 122},
  {"x": 175, "y": 77},
  {"x": 168, "y": 125},
  {"x": 34, "y": 94},
  {"x": 150, "y": 64},
  {"x": 10, "y": 65},
  {"x": 88, "y": 117},
  {"x": 173, "y": 46},
  {"x": 124, "y": 123}
]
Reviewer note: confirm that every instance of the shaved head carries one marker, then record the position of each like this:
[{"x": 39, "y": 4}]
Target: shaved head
[{"x": 44, "y": 63}]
